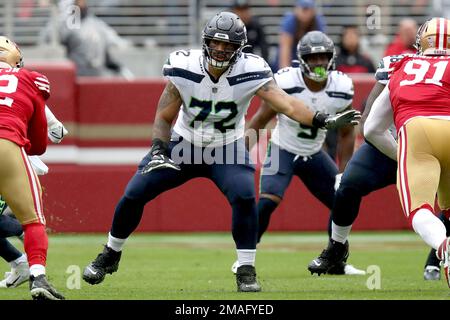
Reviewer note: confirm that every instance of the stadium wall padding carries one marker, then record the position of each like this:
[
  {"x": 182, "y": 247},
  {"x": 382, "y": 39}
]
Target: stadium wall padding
[{"x": 105, "y": 113}]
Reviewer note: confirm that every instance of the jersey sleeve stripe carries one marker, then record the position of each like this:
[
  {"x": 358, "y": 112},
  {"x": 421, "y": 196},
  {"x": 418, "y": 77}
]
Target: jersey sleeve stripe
[
  {"x": 44, "y": 89},
  {"x": 42, "y": 79},
  {"x": 294, "y": 90},
  {"x": 339, "y": 95},
  {"x": 249, "y": 76},
  {"x": 182, "y": 73},
  {"x": 42, "y": 84}
]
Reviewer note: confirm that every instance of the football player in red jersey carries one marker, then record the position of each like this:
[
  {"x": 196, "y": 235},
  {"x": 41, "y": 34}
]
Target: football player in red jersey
[
  {"x": 23, "y": 132},
  {"x": 417, "y": 100}
]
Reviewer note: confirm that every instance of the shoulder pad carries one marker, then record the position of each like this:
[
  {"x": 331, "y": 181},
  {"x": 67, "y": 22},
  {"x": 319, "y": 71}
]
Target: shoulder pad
[
  {"x": 285, "y": 77},
  {"x": 343, "y": 82},
  {"x": 253, "y": 63},
  {"x": 179, "y": 58},
  {"x": 385, "y": 66},
  {"x": 40, "y": 81}
]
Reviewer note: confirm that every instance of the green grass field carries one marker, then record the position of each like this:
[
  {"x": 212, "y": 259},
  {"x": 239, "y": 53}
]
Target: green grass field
[{"x": 196, "y": 266}]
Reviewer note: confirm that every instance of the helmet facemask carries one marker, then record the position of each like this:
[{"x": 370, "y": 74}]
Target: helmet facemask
[
  {"x": 227, "y": 28},
  {"x": 220, "y": 59},
  {"x": 316, "y": 43},
  {"x": 317, "y": 72}
]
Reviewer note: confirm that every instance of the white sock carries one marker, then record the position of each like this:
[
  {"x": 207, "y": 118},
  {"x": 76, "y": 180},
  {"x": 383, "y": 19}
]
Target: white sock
[
  {"x": 338, "y": 233},
  {"x": 429, "y": 227},
  {"x": 19, "y": 260},
  {"x": 37, "y": 269},
  {"x": 115, "y": 243},
  {"x": 246, "y": 257}
]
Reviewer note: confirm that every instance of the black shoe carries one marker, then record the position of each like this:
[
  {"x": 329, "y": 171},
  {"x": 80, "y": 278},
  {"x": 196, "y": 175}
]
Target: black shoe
[
  {"x": 338, "y": 269},
  {"x": 106, "y": 262},
  {"x": 246, "y": 279},
  {"x": 334, "y": 255},
  {"x": 41, "y": 289},
  {"x": 432, "y": 273}
]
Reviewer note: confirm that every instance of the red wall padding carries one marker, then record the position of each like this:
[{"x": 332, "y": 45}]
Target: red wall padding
[{"x": 82, "y": 198}]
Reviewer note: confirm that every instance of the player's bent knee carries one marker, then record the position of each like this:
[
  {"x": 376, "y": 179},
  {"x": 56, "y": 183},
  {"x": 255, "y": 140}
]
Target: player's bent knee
[{"x": 241, "y": 187}]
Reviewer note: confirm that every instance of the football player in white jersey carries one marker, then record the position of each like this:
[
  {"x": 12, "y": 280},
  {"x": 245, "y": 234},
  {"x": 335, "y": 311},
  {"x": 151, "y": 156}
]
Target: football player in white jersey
[
  {"x": 208, "y": 93},
  {"x": 367, "y": 171},
  {"x": 297, "y": 147}
]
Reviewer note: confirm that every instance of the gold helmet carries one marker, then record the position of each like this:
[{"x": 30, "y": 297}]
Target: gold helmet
[
  {"x": 433, "y": 37},
  {"x": 10, "y": 53}
]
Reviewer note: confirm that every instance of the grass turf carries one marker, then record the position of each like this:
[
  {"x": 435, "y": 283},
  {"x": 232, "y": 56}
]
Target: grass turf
[{"x": 196, "y": 266}]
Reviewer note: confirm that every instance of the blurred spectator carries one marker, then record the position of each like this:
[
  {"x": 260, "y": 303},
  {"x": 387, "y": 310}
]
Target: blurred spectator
[
  {"x": 88, "y": 40},
  {"x": 255, "y": 32},
  {"x": 293, "y": 26},
  {"x": 405, "y": 38},
  {"x": 350, "y": 59}
]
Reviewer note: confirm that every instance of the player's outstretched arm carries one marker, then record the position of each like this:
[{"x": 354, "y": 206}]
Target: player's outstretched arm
[
  {"x": 376, "y": 128},
  {"x": 259, "y": 121},
  {"x": 295, "y": 109},
  {"x": 168, "y": 107}
]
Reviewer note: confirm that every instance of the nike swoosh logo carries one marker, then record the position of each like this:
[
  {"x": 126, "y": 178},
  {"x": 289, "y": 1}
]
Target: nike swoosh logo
[
  {"x": 92, "y": 271},
  {"x": 55, "y": 134},
  {"x": 12, "y": 283},
  {"x": 317, "y": 263}
]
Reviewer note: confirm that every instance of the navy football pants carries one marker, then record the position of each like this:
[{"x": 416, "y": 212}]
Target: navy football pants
[
  {"x": 9, "y": 227},
  {"x": 317, "y": 172},
  {"x": 368, "y": 170},
  {"x": 234, "y": 176}
]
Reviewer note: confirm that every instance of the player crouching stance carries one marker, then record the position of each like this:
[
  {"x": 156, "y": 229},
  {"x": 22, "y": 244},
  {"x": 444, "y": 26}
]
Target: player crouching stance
[{"x": 208, "y": 93}]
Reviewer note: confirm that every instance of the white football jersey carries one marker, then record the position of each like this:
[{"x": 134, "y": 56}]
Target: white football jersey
[
  {"x": 383, "y": 74},
  {"x": 213, "y": 112},
  {"x": 334, "y": 98}
]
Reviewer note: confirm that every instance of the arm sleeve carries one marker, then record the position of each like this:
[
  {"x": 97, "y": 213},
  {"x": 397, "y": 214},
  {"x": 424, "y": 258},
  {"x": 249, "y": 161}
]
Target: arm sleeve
[
  {"x": 51, "y": 119},
  {"x": 37, "y": 131},
  {"x": 376, "y": 127}
]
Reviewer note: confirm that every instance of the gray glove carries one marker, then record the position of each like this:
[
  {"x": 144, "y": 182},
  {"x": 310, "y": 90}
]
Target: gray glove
[
  {"x": 322, "y": 120},
  {"x": 159, "y": 158}
]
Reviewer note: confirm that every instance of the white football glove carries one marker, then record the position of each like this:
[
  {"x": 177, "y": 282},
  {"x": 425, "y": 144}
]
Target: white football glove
[
  {"x": 56, "y": 132},
  {"x": 39, "y": 167},
  {"x": 337, "y": 182}
]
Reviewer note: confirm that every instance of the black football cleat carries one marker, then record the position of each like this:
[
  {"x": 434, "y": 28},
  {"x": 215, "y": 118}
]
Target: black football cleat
[
  {"x": 106, "y": 262},
  {"x": 331, "y": 258},
  {"x": 41, "y": 289},
  {"x": 345, "y": 269},
  {"x": 246, "y": 279},
  {"x": 338, "y": 269}
]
